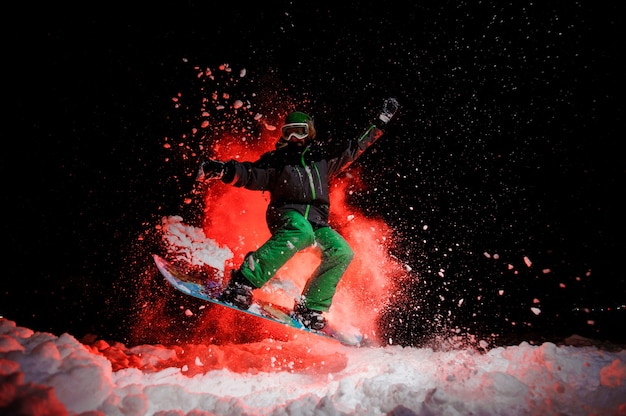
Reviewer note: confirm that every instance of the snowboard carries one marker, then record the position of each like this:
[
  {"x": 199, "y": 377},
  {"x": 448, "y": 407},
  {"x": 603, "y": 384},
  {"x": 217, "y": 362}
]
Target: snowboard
[{"x": 209, "y": 291}]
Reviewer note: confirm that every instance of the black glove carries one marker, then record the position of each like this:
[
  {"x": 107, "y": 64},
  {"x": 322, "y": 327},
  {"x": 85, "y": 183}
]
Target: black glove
[
  {"x": 390, "y": 106},
  {"x": 210, "y": 169}
]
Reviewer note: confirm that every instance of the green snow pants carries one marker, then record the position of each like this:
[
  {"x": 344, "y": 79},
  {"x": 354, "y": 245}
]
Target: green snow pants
[{"x": 295, "y": 234}]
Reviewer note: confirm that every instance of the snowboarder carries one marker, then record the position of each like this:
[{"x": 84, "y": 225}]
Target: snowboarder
[{"x": 296, "y": 174}]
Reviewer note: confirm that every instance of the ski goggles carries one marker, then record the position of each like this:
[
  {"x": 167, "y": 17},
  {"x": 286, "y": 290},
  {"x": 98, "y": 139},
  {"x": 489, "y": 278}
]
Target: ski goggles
[{"x": 295, "y": 131}]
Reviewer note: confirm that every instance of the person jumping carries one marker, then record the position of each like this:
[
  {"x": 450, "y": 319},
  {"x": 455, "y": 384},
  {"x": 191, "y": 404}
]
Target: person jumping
[{"x": 296, "y": 174}]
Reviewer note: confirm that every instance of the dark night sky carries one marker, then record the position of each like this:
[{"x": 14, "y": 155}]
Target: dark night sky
[{"x": 507, "y": 142}]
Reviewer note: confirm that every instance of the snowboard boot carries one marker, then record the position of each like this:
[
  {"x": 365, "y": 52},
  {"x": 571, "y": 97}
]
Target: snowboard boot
[
  {"x": 308, "y": 317},
  {"x": 238, "y": 292}
]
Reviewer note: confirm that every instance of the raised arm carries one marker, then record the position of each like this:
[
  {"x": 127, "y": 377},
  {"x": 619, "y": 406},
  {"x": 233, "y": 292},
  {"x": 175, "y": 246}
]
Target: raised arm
[{"x": 368, "y": 137}]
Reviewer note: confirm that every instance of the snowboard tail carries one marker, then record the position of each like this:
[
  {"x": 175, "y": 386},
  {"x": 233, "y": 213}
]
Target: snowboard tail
[{"x": 209, "y": 291}]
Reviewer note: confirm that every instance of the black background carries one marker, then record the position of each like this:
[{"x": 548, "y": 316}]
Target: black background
[{"x": 508, "y": 141}]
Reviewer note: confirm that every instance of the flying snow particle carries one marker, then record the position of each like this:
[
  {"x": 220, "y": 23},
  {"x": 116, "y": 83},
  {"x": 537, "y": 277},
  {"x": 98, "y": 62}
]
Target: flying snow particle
[{"x": 527, "y": 261}]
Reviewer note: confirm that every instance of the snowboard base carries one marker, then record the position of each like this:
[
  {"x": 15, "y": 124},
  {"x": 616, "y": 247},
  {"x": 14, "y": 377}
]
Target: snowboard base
[{"x": 210, "y": 291}]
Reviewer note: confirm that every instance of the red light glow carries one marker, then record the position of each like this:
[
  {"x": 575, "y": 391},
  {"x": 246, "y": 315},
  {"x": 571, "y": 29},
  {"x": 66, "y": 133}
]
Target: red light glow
[{"x": 235, "y": 217}]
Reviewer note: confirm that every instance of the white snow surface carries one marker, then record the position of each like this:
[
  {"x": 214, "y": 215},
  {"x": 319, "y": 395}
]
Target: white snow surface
[{"x": 46, "y": 374}]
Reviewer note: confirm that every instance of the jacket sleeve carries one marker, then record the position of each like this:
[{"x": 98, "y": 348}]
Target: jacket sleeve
[
  {"x": 354, "y": 149},
  {"x": 248, "y": 175}
]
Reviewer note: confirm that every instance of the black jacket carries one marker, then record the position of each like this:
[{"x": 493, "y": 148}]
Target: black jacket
[{"x": 297, "y": 177}]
